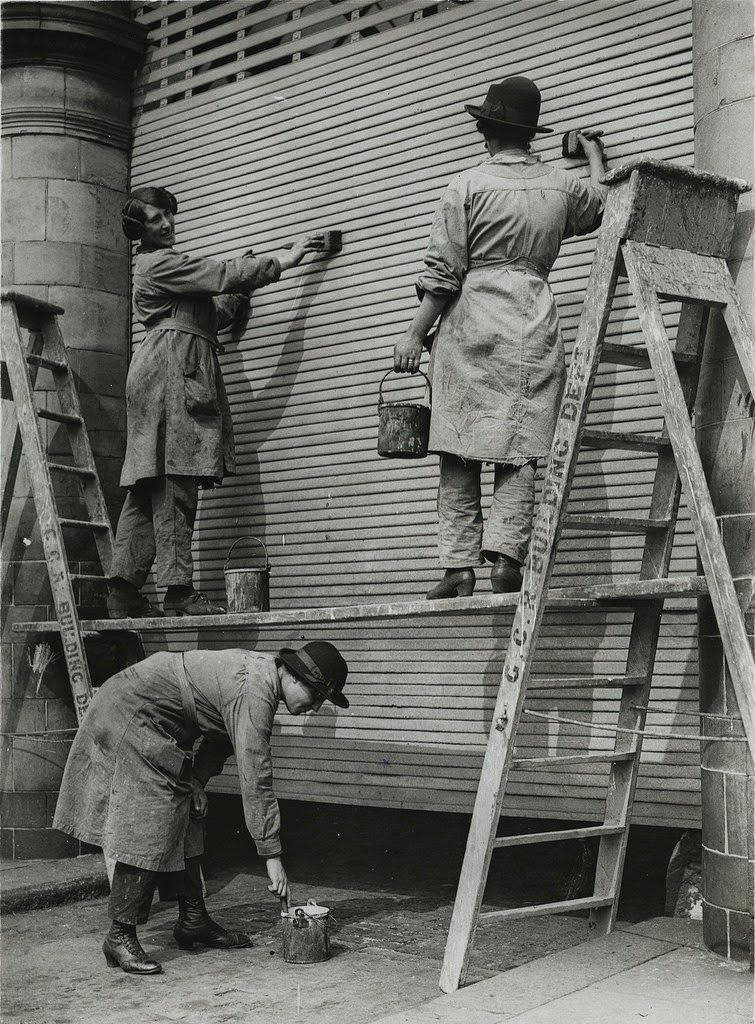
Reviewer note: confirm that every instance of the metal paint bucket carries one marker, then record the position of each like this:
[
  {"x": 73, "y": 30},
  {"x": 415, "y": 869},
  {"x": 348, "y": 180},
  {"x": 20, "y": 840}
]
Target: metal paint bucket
[
  {"x": 247, "y": 590},
  {"x": 403, "y": 427},
  {"x": 305, "y": 934}
]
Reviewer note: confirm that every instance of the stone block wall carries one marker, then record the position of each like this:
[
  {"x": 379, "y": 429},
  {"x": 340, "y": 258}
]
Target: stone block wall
[
  {"x": 65, "y": 161},
  {"x": 724, "y": 83}
]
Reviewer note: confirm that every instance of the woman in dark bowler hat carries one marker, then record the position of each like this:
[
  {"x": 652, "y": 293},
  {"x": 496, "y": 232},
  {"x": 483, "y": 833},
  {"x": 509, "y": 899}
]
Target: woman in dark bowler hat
[
  {"x": 497, "y": 359},
  {"x": 132, "y": 786}
]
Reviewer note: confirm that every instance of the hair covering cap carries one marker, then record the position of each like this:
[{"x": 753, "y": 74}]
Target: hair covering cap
[{"x": 132, "y": 214}]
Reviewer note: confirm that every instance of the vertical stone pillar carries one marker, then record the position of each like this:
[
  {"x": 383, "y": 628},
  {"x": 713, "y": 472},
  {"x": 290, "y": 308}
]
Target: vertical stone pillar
[
  {"x": 66, "y": 78},
  {"x": 723, "y": 105}
]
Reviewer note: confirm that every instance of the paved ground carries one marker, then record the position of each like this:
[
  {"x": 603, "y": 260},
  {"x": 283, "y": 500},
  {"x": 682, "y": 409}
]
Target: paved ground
[
  {"x": 655, "y": 972},
  {"x": 387, "y": 950}
]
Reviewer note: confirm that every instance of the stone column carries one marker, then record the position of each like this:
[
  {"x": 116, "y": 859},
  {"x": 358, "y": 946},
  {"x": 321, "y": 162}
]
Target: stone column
[
  {"x": 66, "y": 79},
  {"x": 723, "y": 105}
]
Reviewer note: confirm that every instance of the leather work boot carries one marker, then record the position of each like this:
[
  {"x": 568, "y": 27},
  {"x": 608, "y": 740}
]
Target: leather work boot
[
  {"x": 194, "y": 923},
  {"x": 123, "y": 949},
  {"x": 455, "y": 583},
  {"x": 186, "y": 601},
  {"x": 505, "y": 576},
  {"x": 124, "y": 601}
]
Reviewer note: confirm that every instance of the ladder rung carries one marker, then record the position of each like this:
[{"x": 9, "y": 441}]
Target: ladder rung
[
  {"x": 88, "y": 577},
  {"x": 632, "y": 592},
  {"x": 60, "y": 417},
  {"x": 613, "y": 524},
  {"x": 84, "y": 524},
  {"x": 48, "y": 364},
  {"x": 543, "y": 909},
  {"x": 629, "y": 355},
  {"x": 585, "y": 682},
  {"x": 60, "y": 467},
  {"x": 603, "y": 756},
  {"x": 619, "y": 440},
  {"x": 553, "y": 837}
]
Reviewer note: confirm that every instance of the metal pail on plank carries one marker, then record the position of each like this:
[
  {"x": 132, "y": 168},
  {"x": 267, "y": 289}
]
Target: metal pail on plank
[
  {"x": 305, "y": 934},
  {"x": 403, "y": 427},
  {"x": 247, "y": 590}
]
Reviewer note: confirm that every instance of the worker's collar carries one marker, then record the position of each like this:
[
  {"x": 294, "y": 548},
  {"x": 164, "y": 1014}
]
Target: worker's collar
[
  {"x": 513, "y": 158},
  {"x": 140, "y": 249}
]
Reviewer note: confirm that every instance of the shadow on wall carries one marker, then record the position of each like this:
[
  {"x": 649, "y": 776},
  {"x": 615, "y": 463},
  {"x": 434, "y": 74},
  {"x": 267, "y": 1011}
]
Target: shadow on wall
[{"x": 252, "y": 520}]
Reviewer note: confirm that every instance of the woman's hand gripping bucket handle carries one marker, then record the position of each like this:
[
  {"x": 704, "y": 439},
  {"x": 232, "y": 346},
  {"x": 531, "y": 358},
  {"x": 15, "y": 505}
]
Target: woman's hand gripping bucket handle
[{"x": 382, "y": 401}]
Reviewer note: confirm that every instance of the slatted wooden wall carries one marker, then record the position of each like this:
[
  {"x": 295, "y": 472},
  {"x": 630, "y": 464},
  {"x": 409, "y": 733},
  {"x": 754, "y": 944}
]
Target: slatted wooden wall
[{"x": 363, "y": 136}]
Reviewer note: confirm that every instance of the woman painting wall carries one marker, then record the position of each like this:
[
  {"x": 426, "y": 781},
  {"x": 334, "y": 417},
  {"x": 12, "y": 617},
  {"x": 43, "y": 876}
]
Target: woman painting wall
[
  {"x": 179, "y": 431},
  {"x": 497, "y": 362}
]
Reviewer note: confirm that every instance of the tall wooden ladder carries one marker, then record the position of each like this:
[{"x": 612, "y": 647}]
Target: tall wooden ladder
[
  {"x": 44, "y": 349},
  {"x": 669, "y": 229}
]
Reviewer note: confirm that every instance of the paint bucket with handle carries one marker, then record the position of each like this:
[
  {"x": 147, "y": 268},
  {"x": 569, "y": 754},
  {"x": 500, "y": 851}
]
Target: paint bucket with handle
[
  {"x": 305, "y": 933},
  {"x": 403, "y": 427},
  {"x": 247, "y": 590}
]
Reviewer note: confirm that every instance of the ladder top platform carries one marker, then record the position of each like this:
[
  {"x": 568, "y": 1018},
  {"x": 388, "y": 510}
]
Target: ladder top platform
[
  {"x": 564, "y": 597},
  {"x": 30, "y": 303},
  {"x": 664, "y": 169}
]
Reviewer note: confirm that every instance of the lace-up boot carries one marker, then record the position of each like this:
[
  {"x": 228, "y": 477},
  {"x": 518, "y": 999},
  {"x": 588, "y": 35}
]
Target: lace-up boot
[{"x": 123, "y": 949}]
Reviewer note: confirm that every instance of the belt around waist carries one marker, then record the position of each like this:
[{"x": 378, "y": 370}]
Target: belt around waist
[
  {"x": 172, "y": 323},
  {"x": 520, "y": 264}
]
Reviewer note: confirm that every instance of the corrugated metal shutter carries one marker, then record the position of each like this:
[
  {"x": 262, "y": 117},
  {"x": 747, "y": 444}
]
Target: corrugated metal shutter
[{"x": 364, "y": 138}]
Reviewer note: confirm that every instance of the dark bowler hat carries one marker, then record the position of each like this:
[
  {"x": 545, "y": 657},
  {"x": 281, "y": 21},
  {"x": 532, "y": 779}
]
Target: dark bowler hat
[
  {"x": 319, "y": 665},
  {"x": 514, "y": 101}
]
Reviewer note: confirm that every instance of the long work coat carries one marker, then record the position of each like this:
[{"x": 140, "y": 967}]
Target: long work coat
[
  {"x": 127, "y": 782},
  {"x": 498, "y": 360},
  {"x": 178, "y": 419}
]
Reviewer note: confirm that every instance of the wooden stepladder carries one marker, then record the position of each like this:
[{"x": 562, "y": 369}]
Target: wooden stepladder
[
  {"x": 669, "y": 229},
  {"x": 45, "y": 350}
]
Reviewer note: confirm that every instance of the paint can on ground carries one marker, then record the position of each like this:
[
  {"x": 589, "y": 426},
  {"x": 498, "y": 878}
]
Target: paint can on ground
[
  {"x": 247, "y": 590},
  {"x": 403, "y": 427},
  {"x": 305, "y": 934}
]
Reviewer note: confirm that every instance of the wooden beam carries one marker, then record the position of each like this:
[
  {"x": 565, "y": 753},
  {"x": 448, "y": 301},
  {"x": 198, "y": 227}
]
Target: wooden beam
[{"x": 564, "y": 597}]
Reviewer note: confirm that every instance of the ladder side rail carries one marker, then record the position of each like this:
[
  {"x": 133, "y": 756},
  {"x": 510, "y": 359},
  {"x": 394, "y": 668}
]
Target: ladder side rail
[
  {"x": 643, "y": 640},
  {"x": 78, "y": 436},
  {"x": 52, "y": 535},
  {"x": 11, "y": 456},
  {"x": 529, "y": 611},
  {"x": 740, "y": 331},
  {"x": 723, "y": 594}
]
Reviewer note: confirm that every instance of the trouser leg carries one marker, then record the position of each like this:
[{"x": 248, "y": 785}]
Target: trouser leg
[
  {"x": 174, "y": 510},
  {"x": 169, "y": 882},
  {"x": 131, "y": 894},
  {"x": 194, "y": 840},
  {"x": 190, "y": 881},
  {"x": 459, "y": 512},
  {"x": 509, "y": 524},
  {"x": 134, "y": 548}
]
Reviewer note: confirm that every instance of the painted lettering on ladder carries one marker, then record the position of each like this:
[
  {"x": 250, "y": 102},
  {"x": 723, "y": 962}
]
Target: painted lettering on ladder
[
  {"x": 72, "y": 649},
  {"x": 544, "y": 528},
  {"x": 57, "y": 568}
]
